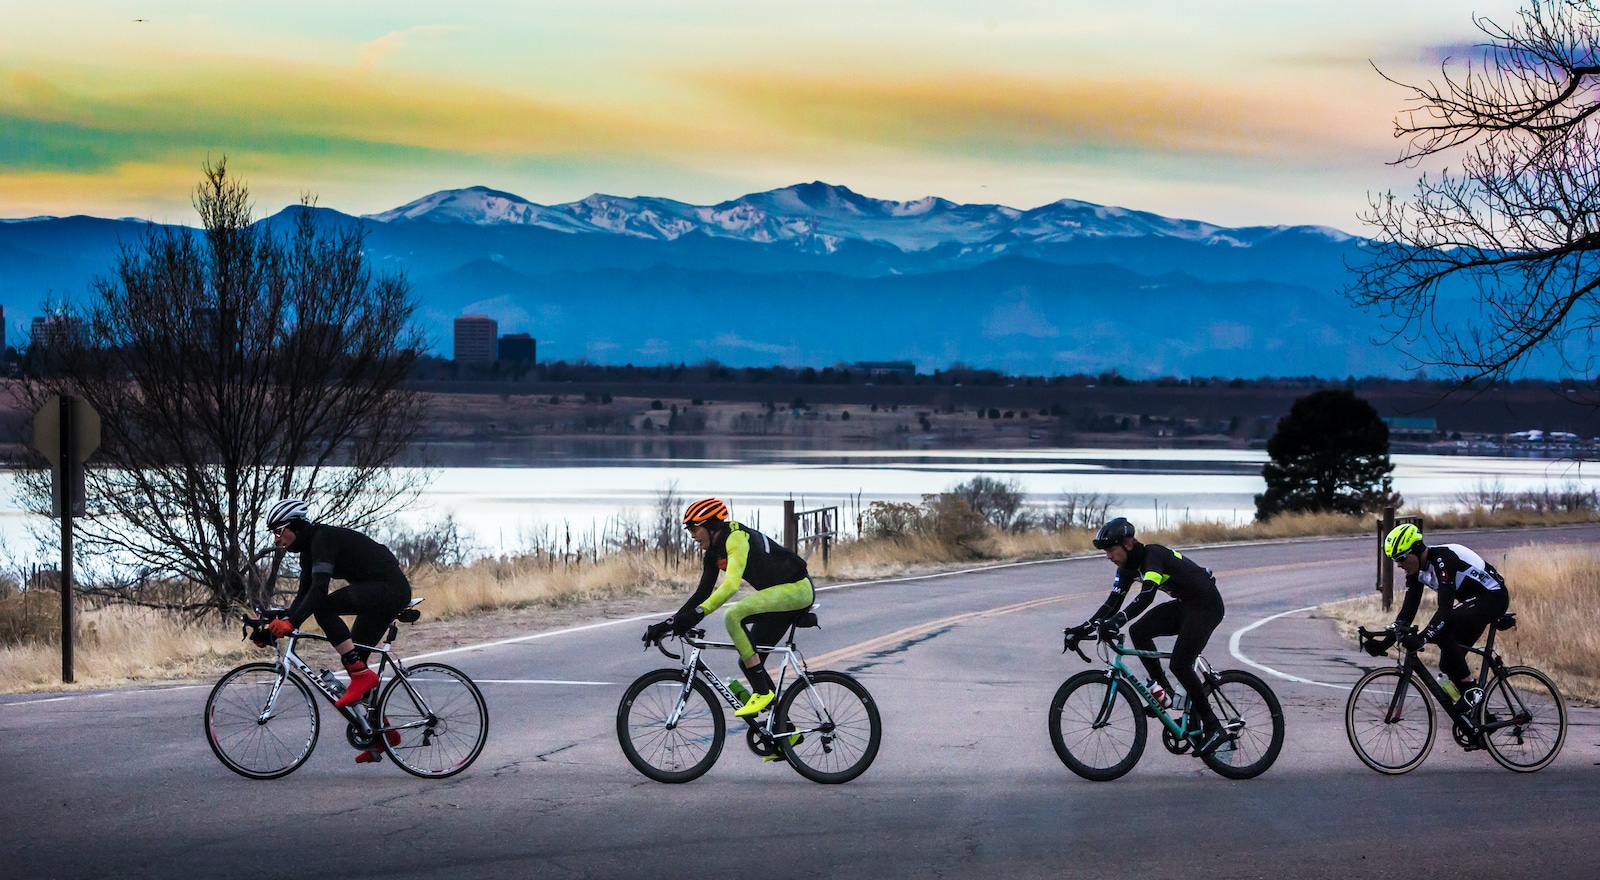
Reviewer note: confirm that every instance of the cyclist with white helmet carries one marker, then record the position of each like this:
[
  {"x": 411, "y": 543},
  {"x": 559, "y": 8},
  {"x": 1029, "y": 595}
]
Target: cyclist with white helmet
[
  {"x": 376, "y": 590},
  {"x": 737, "y": 553},
  {"x": 1193, "y": 614},
  {"x": 1472, "y": 595}
]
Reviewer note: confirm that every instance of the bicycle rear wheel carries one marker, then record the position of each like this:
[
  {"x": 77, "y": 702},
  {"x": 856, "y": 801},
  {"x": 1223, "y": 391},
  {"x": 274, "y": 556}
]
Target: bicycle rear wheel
[
  {"x": 248, "y": 739},
  {"x": 441, "y": 718},
  {"x": 1390, "y": 721},
  {"x": 670, "y": 752},
  {"x": 1537, "y": 716},
  {"x": 1098, "y": 732},
  {"x": 1249, "y": 711},
  {"x": 832, "y": 728}
]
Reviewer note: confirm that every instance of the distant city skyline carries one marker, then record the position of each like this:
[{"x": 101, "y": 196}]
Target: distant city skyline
[{"x": 1231, "y": 112}]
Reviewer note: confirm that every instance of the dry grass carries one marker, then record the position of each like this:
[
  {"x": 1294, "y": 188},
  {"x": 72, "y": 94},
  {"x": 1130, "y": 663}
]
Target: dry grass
[
  {"x": 492, "y": 584},
  {"x": 119, "y": 644},
  {"x": 1483, "y": 518},
  {"x": 1555, "y": 593}
]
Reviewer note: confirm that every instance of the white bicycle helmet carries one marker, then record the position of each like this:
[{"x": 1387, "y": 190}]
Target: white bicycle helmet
[{"x": 286, "y": 511}]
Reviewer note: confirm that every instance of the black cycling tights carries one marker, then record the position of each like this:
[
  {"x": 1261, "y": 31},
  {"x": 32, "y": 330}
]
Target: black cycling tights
[
  {"x": 374, "y": 603},
  {"x": 1192, "y": 621},
  {"x": 1463, "y": 625}
]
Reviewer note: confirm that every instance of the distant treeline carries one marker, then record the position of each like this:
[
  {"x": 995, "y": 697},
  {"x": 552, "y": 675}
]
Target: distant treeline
[{"x": 433, "y": 369}]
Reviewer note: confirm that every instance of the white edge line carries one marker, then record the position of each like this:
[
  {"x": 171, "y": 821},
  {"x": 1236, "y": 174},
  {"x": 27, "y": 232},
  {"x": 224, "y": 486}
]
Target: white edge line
[
  {"x": 543, "y": 635},
  {"x": 1233, "y": 648}
]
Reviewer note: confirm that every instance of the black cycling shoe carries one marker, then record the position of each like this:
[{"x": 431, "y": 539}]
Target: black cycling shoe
[{"x": 1210, "y": 742}]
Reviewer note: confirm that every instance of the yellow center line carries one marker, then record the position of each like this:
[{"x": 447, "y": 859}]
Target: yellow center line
[{"x": 911, "y": 632}]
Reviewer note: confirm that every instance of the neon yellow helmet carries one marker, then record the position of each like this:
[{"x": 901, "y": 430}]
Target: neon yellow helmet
[{"x": 1402, "y": 539}]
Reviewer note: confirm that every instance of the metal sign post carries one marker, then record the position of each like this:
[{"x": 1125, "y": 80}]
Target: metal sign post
[{"x": 66, "y": 430}]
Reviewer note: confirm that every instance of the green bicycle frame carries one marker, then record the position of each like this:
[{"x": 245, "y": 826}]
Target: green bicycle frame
[{"x": 1121, "y": 675}]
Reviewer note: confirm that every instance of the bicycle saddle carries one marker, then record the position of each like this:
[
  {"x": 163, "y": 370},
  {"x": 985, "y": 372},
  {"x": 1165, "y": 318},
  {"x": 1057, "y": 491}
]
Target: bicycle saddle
[
  {"x": 410, "y": 614},
  {"x": 1506, "y": 621}
]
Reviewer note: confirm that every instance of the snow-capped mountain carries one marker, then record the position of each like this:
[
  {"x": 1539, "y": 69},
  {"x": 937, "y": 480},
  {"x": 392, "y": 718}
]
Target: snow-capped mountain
[
  {"x": 822, "y": 216},
  {"x": 831, "y": 275}
]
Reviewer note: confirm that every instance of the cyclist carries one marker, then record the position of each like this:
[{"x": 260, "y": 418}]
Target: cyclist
[
  {"x": 1193, "y": 613},
  {"x": 376, "y": 591},
  {"x": 1472, "y": 595},
  {"x": 737, "y": 553}
]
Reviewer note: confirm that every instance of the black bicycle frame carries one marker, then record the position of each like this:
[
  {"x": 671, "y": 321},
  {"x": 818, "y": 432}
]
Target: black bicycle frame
[{"x": 1415, "y": 670}]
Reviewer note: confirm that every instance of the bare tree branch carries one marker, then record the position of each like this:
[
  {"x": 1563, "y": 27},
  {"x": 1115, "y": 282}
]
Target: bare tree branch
[
  {"x": 1497, "y": 261},
  {"x": 231, "y": 367}
]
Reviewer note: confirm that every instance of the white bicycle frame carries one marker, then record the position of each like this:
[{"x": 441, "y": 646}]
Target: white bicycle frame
[
  {"x": 289, "y": 663},
  {"x": 793, "y": 659}
]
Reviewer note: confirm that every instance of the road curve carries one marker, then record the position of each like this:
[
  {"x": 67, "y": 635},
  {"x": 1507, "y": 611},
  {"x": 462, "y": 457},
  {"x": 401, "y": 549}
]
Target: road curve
[{"x": 121, "y": 783}]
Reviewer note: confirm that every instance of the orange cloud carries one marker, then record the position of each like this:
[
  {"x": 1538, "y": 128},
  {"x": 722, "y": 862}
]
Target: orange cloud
[{"x": 987, "y": 113}]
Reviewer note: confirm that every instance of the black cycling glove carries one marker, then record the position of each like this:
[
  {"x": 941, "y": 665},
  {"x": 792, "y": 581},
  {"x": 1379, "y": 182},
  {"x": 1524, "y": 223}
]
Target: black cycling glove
[
  {"x": 655, "y": 632},
  {"x": 687, "y": 620}
]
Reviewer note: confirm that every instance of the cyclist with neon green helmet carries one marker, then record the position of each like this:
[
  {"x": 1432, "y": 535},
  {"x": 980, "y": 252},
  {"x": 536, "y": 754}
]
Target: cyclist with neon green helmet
[
  {"x": 738, "y": 554},
  {"x": 1472, "y": 595}
]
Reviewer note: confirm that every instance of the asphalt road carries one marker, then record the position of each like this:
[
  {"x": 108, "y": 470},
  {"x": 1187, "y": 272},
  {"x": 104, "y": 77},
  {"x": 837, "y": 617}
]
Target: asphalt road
[{"x": 121, "y": 783}]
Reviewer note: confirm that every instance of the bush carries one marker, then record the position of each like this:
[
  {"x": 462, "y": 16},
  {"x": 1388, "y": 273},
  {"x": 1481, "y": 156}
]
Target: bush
[
  {"x": 998, "y": 502},
  {"x": 888, "y": 519},
  {"x": 434, "y": 543},
  {"x": 943, "y": 519}
]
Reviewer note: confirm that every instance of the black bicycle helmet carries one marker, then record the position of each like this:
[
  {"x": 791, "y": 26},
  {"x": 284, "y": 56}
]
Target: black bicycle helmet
[{"x": 1113, "y": 533}]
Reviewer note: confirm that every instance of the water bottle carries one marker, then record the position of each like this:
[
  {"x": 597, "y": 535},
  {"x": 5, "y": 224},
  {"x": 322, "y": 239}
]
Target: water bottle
[
  {"x": 332, "y": 683},
  {"x": 1159, "y": 692},
  {"x": 739, "y": 690},
  {"x": 1449, "y": 687}
]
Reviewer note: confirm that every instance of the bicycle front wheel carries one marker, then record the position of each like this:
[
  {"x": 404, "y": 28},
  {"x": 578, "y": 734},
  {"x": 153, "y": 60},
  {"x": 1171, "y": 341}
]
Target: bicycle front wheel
[
  {"x": 1524, "y": 720},
  {"x": 435, "y": 720},
  {"x": 260, "y": 722},
  {"x": 1096, "y": 727},
  {"x": 1390, "y": 721},
  {"x": 659, "y": 747},
  {"x": 831, "y": 729},
  {"x": 1253, "y": 719}
]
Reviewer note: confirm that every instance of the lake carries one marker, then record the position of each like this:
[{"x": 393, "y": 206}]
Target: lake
[{"x": 586, "y": 490}]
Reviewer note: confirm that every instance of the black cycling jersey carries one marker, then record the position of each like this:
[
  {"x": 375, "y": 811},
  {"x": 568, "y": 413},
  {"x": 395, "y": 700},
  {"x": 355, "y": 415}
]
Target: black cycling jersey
[
  {"x": 1458, "y": 574},
  {"x": 328, "y": 552},
  {"x": 1157, "y": 568},
  {"x": 748, "y": 555}
]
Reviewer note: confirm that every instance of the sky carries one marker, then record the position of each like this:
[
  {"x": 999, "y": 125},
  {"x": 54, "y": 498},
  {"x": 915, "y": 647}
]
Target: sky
[{"x": 1230, "y": 111}]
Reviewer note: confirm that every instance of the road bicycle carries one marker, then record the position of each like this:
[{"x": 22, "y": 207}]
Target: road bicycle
[
  {"x": 824, "y": 724},
  {"x": 1520, "y": 719},
  {"x": 262, "y": 721},
  {"x": 1097, "y": 719}
]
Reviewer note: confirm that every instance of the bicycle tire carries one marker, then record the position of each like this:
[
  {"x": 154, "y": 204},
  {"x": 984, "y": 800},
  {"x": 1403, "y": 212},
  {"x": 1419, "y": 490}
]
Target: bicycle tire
[
  {"x": 1391, "y": 746},
  {"x": 245, "y": 744},
  {"x": 1096, "y": 753},
  {"x": 1252, "y": 715},
  {"x": 1531, "y": 745},
  {"x": 456, "y": 716},
  {"x": 682, "y": 752},
  {"x": 838, "y": 724}
]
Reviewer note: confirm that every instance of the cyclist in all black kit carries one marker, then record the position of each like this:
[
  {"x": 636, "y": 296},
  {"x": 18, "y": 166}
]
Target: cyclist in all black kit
[
  {"x": 375, "y": 592},
  {"x": 736, "y": 553},
  {"x": 1472, "y": 595},
  {"x": 1194, "y": 612}
]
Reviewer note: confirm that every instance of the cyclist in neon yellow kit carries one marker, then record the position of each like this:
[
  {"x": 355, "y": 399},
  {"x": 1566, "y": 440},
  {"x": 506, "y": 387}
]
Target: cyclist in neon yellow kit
[{"x": 735, "y": 554}]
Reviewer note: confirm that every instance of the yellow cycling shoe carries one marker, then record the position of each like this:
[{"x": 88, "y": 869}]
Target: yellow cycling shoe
[{"x": 754, "y": 705}]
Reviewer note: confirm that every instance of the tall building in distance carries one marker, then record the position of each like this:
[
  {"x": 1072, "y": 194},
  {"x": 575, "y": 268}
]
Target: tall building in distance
[
  {"x": 475, "y": 336},
  {"x": 518, "y": 348}
]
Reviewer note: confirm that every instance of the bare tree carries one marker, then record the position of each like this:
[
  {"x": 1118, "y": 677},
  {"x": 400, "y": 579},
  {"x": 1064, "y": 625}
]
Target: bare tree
[
  {"x": 232, "y": 366},
  {"x": 1491, "y": 263}
]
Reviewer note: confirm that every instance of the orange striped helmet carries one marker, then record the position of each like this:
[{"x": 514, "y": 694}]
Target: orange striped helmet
[{"x": 705, "y": 510}]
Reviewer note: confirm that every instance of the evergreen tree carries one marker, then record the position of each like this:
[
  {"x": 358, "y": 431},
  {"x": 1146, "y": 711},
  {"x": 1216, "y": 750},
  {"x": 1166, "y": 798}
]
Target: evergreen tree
[{"x": 1330, "y": 453}]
